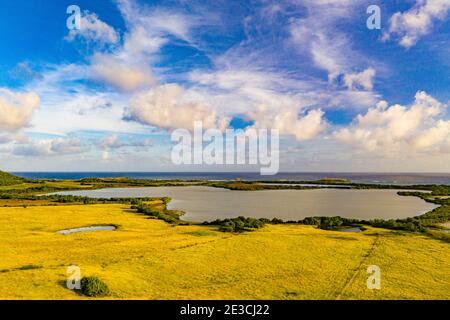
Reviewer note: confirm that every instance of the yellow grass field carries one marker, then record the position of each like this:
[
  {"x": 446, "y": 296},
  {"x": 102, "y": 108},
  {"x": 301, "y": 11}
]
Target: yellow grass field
[{"x": 150, "y": 259}]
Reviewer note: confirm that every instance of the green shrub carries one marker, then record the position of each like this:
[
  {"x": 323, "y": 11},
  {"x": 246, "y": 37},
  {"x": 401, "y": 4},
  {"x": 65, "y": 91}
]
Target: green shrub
[
  {"x": 94, "y": 287},
  {"x": 312, "y": 221},
  {"x": 277, "y": 221},
  {"x": 228, "y": 226},
  {"x": 330, "y": 223}
]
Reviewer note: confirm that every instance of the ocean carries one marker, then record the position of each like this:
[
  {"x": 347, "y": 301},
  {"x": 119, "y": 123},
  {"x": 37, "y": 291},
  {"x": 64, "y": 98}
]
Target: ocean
[{"x": 379, "y": 178}]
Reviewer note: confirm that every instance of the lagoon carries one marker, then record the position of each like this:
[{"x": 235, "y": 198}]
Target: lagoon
[{"x": 207, "y": 203}]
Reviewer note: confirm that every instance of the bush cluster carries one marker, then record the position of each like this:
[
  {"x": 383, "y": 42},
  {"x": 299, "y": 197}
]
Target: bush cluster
[
  {"x": 238, "y": 224},
  {"x": 94, "y": 287},
  {"x": 331, "y": 223}
]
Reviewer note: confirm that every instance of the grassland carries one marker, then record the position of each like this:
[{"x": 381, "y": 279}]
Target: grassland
[
  {"x": 150, "y": 259},
  {"x": 147, "y": 258}
]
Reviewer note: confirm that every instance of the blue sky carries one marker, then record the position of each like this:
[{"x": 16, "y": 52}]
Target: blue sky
[{"x": 107, "y": 96}]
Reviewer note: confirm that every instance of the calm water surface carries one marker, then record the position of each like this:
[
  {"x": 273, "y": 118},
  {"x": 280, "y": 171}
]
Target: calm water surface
[{"x": 207, "y": 203}]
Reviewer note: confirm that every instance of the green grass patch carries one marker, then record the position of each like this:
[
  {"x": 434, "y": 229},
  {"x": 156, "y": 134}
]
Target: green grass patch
[{"x": 29, "y": 267}]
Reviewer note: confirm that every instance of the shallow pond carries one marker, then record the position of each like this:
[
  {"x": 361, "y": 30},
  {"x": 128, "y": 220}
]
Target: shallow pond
[{"x": 88, "y": 229}]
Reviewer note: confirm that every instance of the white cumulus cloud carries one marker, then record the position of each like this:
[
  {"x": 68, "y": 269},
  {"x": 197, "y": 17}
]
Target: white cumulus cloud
[
  {"x": 417, "y": 22},
  {"x": 288, "y": 121},
  {"x": 399, "y": 129},
  {"x": 169, "y": 107},
  {"x": 16, "y": 109}
]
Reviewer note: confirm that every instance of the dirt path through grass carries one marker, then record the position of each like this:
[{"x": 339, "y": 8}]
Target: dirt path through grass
[{"x": 363, "y": 261}]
